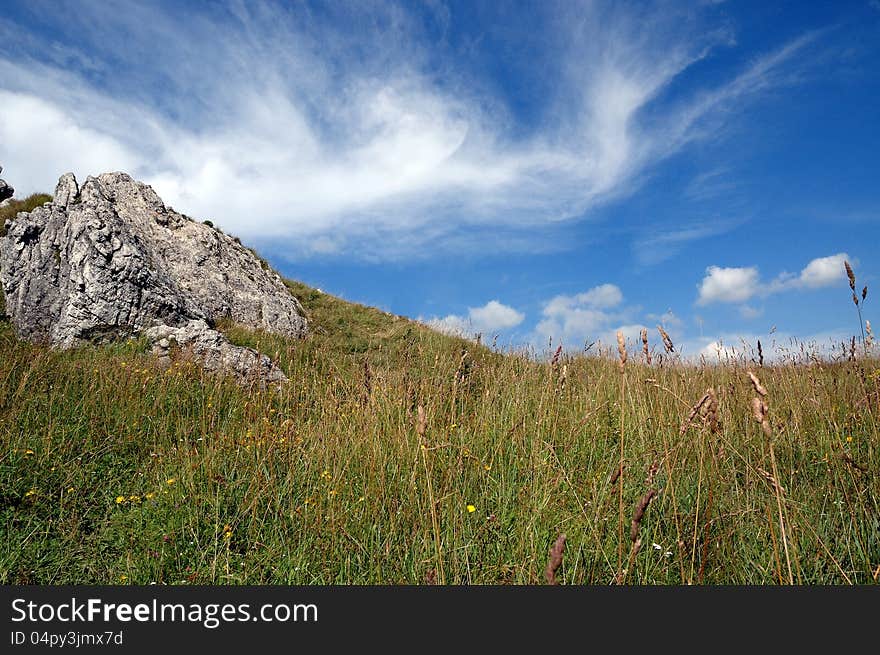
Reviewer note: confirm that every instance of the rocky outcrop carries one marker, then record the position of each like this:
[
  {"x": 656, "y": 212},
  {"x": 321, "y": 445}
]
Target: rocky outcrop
[
  {"x": 214, "y": 351},
  {"x": 6, "y": 191},
  {"x": 109, "y": 259}
]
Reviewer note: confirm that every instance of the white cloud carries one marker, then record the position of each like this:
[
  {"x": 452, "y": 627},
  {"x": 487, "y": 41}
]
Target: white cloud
[
  {"x": 738, "y": 285},
  {"x": 728, "y": 285},
  {"x": 41, "y": 140},
  {"x": 600, "y": 297},
  {"x": 605, "y": 295},
  {"x": 277, "y": 126},
  {"x": 573, "y": 319},
  {"x": 824, "y": 271},
  {"x": 495, "y": 316},
  {"x": 491, "y": 318}
]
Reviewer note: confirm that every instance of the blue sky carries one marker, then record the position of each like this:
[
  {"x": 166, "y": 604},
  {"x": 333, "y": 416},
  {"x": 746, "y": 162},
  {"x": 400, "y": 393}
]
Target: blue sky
[{"x": 534, "y": 170}]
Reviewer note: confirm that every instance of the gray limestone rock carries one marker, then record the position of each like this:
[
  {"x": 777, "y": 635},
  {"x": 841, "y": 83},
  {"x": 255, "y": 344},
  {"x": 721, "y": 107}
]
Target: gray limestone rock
[
  {"x": 214, "y": 352},
  {"x": 108, "y": 259}
]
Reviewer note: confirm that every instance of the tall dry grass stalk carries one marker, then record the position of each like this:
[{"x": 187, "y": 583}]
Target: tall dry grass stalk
[
  {"x": 852, "y": 285},
  {"x": 368, "y": 382},
  {"x": 635, "y": 526},
  {"x": 695, "y": 410},
  {"x": 645, "y": 350},
  {"x": 639, "y": 513},
  {"x": 421, "y": 429},
  {"x": 558, "y": 370},
  {"x": 760, "y": 412}
]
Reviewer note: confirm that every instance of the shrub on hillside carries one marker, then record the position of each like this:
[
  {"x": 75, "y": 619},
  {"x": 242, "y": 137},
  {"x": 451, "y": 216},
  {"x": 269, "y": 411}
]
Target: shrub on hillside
[{"x": 31, "y": 202}]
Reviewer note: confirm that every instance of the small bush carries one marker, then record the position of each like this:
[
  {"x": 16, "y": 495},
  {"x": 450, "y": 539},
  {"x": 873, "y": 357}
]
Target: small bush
[{"x": 31, "y": 202}]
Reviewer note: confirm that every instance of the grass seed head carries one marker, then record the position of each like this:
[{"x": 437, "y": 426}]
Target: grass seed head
[
  {"x": 667, "y": 342},
  {"x": 555, "y": 560},
  {"x": 756, "y": 384},
  {"x": 850, "y": 275},
  {"x": 639, "y": 513},
  {"x": 422, "y": 424}
]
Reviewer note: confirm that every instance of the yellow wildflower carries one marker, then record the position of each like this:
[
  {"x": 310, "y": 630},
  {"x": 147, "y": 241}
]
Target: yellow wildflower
[
  {"x": 170, "y": 480},
  {"x": 120, "y": 500},
  {"x": 149, "y": 495},
  {"x": 30, "y": 492},
  {"x": 28, "y": 452},
  {"x": 471, "y": 509}
]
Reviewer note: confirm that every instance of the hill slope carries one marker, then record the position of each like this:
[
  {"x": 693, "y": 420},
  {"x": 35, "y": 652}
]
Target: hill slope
[{"x": 113, "y": 470}]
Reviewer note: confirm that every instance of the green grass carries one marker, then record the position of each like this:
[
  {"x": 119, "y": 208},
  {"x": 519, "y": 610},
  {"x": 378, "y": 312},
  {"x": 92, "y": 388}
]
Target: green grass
[{"x": 112, "y": 469}]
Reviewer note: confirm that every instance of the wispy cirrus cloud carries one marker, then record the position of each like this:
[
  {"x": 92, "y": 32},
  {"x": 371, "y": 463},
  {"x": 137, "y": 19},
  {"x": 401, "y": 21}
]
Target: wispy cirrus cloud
[
  {"x": 280, "y": 125},
  {"x": 711, "y": 184},
  {"x": 657, "y": 244}
]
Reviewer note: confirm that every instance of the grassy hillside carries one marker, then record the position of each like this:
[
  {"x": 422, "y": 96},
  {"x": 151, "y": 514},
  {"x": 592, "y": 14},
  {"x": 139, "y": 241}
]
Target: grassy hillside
[{"x": 113, "y": 470}]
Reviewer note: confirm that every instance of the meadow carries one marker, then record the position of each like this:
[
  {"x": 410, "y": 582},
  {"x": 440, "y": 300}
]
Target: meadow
[{"x": 398, "y": 455}]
